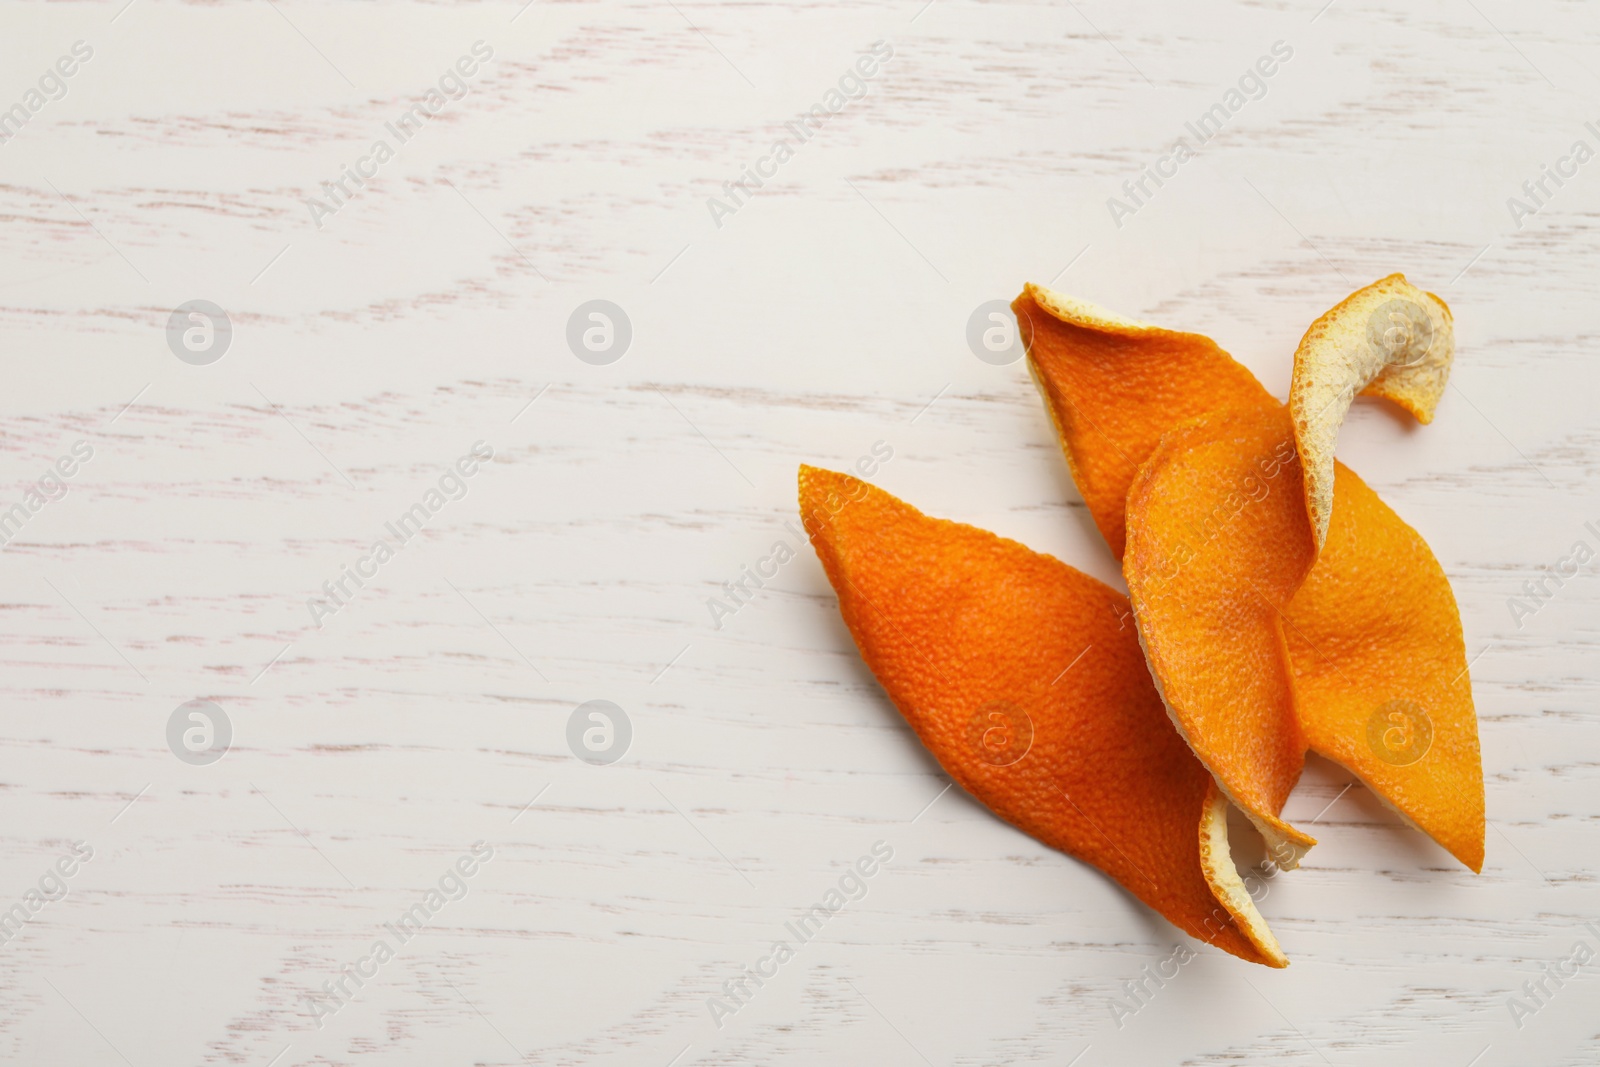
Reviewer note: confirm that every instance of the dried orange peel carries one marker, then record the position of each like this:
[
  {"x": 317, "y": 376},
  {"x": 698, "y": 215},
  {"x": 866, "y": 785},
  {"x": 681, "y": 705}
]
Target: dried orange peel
[
  {"x": 1217, "y": 547},
  {"x": 1265, "y": 621},
  {"x": 1025, "y": 680},
  {"x": 1389, "y": 339},
  {"x": 1222, "y": 875},
  {"x": 1115, "y": 387},
  {"x": 1380, "y": 671}
]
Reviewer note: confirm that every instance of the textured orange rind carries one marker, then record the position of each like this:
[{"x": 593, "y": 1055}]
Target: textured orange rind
[
  {"x": 1024, "y": 679},
  {"x": 1217, "y": 546},
  {"x": 1114, "y": 387}
]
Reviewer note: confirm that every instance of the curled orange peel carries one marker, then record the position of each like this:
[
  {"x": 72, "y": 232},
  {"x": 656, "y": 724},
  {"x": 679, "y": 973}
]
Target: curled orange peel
[
  {"x": 1380, "y": 671},
  {"x": 1222, "y": 875},
  {"x": 1114, "y": 388},
  {"x": 1024, "y": 679},
  {"x": 1217, "y": 547},
  {"x": 1389, "y": 339}
]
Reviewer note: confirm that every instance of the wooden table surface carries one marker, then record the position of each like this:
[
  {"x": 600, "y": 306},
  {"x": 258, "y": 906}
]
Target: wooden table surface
[{"x": 168, "y": 907}]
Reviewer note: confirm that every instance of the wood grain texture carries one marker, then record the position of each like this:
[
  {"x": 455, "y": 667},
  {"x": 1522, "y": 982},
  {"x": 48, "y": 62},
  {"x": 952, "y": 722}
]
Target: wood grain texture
[{"x": 826, "y": 314}]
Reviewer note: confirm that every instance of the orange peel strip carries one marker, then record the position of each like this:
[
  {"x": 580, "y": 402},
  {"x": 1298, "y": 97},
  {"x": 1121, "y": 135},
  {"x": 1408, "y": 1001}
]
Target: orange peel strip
[
  {"x": 1389, "y": 339},
  {"x": 1222, "y": 875},
  {"x": 1114, "y": 386},
  {"x": 1109, "y": 423},
  {"x": 970, "y": 634},
  {"x": 1380, "y": 670},
  {"x": 1217, "y": 546}
]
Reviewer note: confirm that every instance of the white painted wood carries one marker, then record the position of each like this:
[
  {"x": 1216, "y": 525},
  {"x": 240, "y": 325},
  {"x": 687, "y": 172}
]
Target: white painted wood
[{"x": 826, "y": 314}]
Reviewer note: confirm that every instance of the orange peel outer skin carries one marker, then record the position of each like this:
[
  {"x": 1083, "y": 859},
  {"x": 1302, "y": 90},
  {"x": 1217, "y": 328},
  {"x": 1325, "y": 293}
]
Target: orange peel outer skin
[
  {"x": 1075, "y": 361},
  {"x": 1218, "y": 544},
  {"x": 1380, "y": 668},
  {"x": 1114, "y": 386},
  {"x": 964, "y": 630}
]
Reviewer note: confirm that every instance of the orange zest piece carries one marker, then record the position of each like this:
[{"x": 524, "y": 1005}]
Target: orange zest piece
[
  {"x": 1389, "y": 339},
  {"x": 1217, "y": 546},
  {"x": 1353, "y": 648},
  {"x": 1025, "y": 679},
  {"x": 1380, "y": 670},
  {"x": 1114, "y": 386}
]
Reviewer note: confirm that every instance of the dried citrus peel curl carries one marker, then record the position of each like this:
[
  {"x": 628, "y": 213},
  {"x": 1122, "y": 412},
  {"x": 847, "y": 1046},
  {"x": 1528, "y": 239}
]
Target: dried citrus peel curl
[
  {"x": 1389, "y": 339},
  {"x": 1023, "y": 678},
  {"x": 1217, "y": 547},
  {"x": 1222, "y": 875},
  {"x": 1113, "y": 386},
  {"x": 1113, "y": 390},
  {"x": 1380, "y": 671}
]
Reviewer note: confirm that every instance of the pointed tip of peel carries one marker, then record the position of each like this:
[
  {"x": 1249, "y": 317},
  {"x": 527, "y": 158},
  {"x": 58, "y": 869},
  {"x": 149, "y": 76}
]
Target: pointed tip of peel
[
  {"x": 810, "y": 477},
  {"x": 1216, "y": 860},
  {"x": 1076, "y": 312}
]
